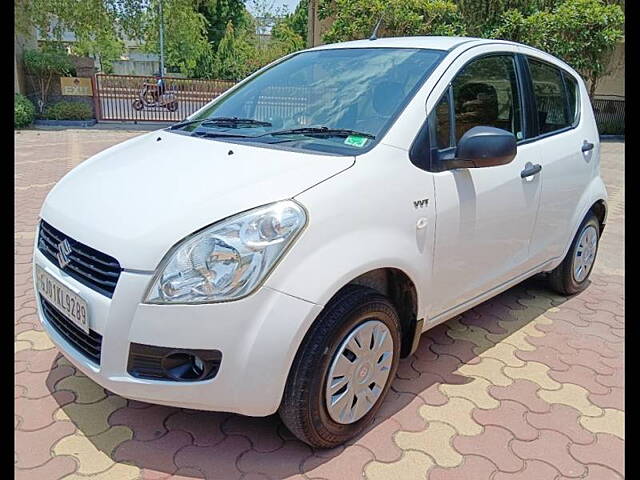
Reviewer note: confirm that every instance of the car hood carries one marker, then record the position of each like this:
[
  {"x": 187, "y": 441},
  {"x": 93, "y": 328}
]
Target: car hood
[{"x": 135, "y": 200}]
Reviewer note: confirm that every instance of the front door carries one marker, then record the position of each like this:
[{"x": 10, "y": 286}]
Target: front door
[{"x": 485, "y": 216}]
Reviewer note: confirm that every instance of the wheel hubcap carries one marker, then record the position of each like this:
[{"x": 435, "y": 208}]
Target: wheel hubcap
[
  {"x": 585, "y": 253},
  {"x": 359, "y": 372}
]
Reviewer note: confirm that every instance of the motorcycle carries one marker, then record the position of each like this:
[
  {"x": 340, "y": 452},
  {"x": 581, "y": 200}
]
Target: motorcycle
[{"x": 154, "y": 95}]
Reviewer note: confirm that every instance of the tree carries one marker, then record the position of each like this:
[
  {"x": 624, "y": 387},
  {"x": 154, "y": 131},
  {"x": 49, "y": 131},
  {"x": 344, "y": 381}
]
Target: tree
[
  {"x": 298, "y": 20},
  {"x": 185, "y": 34},
  {"x": 292, "y": 29},
  {"x": 230, "y": 61},
  {"x": 581, "y": 32},
  {"x": 43, "y": 66},
  {"x": 99, "y": 25},
  {"x": 218, "y": 14},
  {"x": 355, "y": 19}
]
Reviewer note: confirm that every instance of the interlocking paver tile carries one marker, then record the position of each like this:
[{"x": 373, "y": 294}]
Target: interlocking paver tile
[
  {"x": 612, "y": 421},
  {"x": 91, "y": 418},
  {"x": 435, "y": 441},
  {"x": 347, "y": 465},
  {"x": 476, "y": 391},
  {"x": 39, "y": 413},
  {"x": 599, "y": 472},
  {"x": 288, "y": 462},
  {"x": 522, "y": 391},
  {"x": 507, "y": 354},
  {"x": 490, "y": 369},
  {"x": 528, "y": 385},
  {"x": 607, "y": 450},
  {"x": 553, "y": 447},
  {"x": 573, "y": 396},
  {"x": 533, "y": 470},
  {"x": 146, "y": 425},
  {"x": 94, "y": 454},
  {"x": 493, "y": 443},
  {"x": 412, "y": 466},
  {"x": 157, "y": 454},
  {"x": 456, "y": 413},
  {"x": 509, "y": 415},
  {"x": 118, "y": 471},
  {"x": 261, "y": 432},
  {"x": 32, "y": 448},
  {"x": 589, "y": 359},
  {"x": 54, "y": 469},
  {"x": 378, "y": 439},
  {"x": 564, "y": 419},
  {"x": 472, "y": 467},
  {"x": 580, "y": 375},
  {"x": 204, "y": 427},
  {"x": 404, "y": 408},
  {"x": 613, "y": 399}
]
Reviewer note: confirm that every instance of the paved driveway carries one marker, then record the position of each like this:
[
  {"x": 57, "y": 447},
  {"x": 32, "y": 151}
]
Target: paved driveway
[{"x": 527, "y": 385}]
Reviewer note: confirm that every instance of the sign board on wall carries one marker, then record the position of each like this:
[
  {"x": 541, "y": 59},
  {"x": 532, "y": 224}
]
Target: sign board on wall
[{"x": 76, "y": 86}]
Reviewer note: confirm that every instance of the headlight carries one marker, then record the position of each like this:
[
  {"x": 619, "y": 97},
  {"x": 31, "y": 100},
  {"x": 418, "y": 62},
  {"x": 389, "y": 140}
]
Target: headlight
[{"x": 229, "y": 259}]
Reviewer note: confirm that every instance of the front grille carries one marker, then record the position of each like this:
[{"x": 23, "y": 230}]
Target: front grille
[
  {"x": 90, "y": 267},
  {"x": 89, "y": 345}
]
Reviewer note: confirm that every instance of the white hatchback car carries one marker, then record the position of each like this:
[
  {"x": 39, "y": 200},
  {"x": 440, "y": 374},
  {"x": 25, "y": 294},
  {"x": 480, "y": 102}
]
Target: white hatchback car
[{"x": 281, "y": 249}]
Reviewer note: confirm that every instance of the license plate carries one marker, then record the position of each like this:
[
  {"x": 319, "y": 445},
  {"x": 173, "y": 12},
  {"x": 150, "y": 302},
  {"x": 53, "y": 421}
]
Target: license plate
[{"x": 69, "y": 303}]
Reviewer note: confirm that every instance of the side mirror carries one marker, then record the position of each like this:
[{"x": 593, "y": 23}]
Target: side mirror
[{"x": 484, "y": 147}]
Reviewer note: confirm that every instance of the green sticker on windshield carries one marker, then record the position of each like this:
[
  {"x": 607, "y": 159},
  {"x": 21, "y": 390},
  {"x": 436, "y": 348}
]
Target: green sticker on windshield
[{"x": 356, "y": 141}]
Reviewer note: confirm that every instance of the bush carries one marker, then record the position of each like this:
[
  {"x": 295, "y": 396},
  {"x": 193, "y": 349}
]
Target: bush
[
  {"x": 65, "y": 110},
  {"x": 23, "y": 111}
]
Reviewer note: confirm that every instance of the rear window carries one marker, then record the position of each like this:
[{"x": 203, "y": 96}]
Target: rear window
[{"x": 551, "y": 97}]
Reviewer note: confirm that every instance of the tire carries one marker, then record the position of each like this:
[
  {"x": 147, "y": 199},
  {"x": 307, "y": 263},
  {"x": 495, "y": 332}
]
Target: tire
[
  {"x": 563, "y": 278},
  {"x": 304, "y": 408},
  {"x": 172, "y": 107},
  {"x": 138, "y": 105}
]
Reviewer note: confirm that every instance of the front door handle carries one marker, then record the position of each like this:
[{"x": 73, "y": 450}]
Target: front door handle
[
  {"x": 587, "y": 146},
  {"x": 530, "y": 169}
]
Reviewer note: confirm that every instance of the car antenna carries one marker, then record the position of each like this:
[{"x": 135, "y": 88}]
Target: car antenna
[{"x": 374, "y": 34}]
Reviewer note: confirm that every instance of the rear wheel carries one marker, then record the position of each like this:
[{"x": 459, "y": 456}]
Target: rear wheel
[
  {"x": 572, "y": 275},
  {"x": 138, "y": 105},
  {"x": 343, "y": 369}
]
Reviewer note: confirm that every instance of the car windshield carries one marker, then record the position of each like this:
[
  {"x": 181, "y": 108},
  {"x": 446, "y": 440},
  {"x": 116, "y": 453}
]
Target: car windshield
[{"x": 338, "y": 101}]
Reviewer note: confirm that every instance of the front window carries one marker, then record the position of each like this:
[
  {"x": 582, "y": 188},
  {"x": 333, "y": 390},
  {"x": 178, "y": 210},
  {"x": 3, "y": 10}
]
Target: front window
[{"x": 339, "y": 101}]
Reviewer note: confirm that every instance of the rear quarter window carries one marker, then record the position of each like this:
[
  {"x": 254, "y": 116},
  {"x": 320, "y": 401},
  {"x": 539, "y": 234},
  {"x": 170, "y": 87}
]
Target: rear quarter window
[{"x": 573, "y": 94}]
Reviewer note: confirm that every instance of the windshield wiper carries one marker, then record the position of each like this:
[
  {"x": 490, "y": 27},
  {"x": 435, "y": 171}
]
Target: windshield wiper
[
  {"x": 219, "y": 135},
  {"x": 322, "y": 131},
  {"x": 218, "y": 121}
]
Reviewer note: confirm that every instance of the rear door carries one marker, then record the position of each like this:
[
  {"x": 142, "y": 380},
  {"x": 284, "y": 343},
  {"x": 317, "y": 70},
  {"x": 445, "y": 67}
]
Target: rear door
[
  {"x": 567, "y": 144},
  {"x": 485, "y": 216}
]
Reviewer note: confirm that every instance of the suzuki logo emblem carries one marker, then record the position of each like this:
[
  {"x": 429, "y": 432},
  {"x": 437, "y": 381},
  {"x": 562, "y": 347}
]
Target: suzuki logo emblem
[{"x": 64, "y": 249}]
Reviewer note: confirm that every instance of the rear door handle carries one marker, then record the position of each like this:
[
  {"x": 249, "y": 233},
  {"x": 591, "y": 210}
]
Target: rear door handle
[
  {"x": 587, "y": 146},
  {"x": 530, "y": 169}
]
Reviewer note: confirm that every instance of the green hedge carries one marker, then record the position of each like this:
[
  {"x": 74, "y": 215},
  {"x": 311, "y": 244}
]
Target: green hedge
[
  {"x": 66, "y": 110},
  {"x": 23, "y": 111}
]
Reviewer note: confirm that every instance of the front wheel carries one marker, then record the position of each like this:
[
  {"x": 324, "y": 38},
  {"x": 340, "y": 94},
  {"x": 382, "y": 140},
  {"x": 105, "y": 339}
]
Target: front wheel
[
  {"x": 572, "y": 275},
  {"x": 138, "y": 105},
  {"x": 343, "y": 369}
]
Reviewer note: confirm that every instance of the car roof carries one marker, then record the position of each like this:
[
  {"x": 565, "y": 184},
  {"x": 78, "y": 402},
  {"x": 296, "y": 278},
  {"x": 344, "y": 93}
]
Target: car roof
[{"x": 426, "y": 42}]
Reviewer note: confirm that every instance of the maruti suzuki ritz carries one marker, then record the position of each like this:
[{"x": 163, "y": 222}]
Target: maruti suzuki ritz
[{"x": 283, "y": 247}]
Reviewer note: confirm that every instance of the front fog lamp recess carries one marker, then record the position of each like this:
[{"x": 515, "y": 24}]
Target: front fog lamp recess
[{"x": 228, "y": 259}]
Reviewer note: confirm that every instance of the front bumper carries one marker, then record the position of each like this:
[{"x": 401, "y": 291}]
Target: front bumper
[{"x": 257, "y": 335}]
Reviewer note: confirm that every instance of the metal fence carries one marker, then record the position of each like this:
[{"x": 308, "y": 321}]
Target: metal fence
[
  {"x": 136, "y": 98},
  {"x": 609, "y": 113}
]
